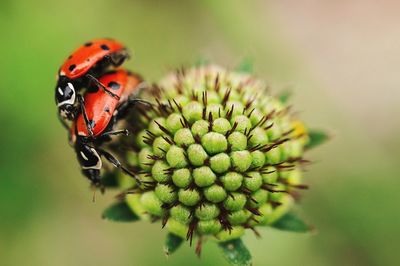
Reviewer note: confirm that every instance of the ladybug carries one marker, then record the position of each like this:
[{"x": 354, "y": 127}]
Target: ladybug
[
  {"x": 81, "y": 69},
  {"x": 103, "y": 111}
]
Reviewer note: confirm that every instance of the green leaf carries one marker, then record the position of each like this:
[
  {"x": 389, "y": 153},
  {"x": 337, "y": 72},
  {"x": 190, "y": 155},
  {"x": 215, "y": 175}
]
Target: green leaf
[
  {"x": 235, "y": 252},
  {"x": 284, "y": 96},
  {"x": 120, "y": 212},
  {"x": 109, "y": 179},
  {"x": 290, "y": 222},
  {"x": 245, "y": 66},
  {"x": 172, "y": 243},
  {"x": 317, "y": 137}
]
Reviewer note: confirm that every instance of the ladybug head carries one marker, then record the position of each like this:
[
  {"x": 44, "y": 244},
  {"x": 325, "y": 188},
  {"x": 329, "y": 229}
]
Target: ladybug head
[
  {"x": 65, "y": 99},
  {"x": 90, "y": 161}
]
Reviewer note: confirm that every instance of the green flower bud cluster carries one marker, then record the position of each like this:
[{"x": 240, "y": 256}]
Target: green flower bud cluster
[{"x": 218, "y": 153}]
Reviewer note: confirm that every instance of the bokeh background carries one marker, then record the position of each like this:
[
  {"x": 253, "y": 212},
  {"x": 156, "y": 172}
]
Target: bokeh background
[{"x": 340, "y": 58}]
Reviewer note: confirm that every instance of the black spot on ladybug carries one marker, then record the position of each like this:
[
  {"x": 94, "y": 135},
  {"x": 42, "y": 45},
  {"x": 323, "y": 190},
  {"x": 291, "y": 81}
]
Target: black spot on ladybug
[
  {"x": 69, "y": 57},
  {"x": 72, "y": 67},
  {"x": 107, "y": 109},
  {"x": 114, "y": 85},
  {"x": 104, "y": 47},
  {"x": 88, "y": 60},
  {"x": 88, "y": 44}
]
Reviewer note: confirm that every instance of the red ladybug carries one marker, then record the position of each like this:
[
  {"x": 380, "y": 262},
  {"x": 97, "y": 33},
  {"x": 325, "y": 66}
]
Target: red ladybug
[
  {"x": 103, "y": 111},
  {"x": 81, "y": 69}
]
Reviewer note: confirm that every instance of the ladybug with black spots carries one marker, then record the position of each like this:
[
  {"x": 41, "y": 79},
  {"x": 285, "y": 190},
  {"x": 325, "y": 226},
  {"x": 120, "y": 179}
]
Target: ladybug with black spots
[
  {"x": 81, "y": 69},
  {"x": 102, "y": 113}
]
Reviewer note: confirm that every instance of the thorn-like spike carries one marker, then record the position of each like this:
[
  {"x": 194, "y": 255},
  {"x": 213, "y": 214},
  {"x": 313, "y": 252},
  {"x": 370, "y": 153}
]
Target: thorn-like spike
[
  {"x": 216, "y": 83},
  {"x": 230, "y": 112},
  {"x": 210, "y": 121},
  {"x": 178, "y": 105},
  {"x": 166, "y": 131},
  {"x": 226, "y": 97}
]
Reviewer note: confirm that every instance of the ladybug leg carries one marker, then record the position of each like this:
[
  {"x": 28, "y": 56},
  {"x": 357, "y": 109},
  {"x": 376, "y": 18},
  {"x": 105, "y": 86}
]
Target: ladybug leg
[
  {"x": 99, "y": 84},
  {"x": 114, "y": 161},
  {"x": 63, "y": 123},
  {"x": 85, "y": 117},
  {"x": 130, "y": 103},
  {"x": 116, "y": 132}
]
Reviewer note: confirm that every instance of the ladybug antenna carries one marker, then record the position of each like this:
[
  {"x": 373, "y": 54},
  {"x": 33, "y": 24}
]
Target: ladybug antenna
[{"x": 94, "y": 195}]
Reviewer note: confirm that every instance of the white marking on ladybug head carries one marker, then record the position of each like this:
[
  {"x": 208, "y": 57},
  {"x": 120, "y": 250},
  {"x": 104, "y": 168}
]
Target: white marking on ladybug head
[
  {"x": 71, "y": 99},
  {"x": 60, "y": 91},
  {"x": 84, "y": 156},
  {"x": 99, "y": 163}
]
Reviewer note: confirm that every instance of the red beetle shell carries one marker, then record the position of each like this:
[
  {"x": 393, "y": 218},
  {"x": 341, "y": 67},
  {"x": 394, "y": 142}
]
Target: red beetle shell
[
  {"x": 100, "y": 106},
  {"x": 86, "y": 56}
]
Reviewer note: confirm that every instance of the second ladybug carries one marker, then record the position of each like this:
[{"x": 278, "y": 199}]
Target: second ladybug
[{"x": 103, "y": 112}]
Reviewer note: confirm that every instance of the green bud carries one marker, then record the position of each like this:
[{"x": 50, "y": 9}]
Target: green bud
[
  {"x": 244, "y": 123},
  {"x": 258, "y": 159},
  {"x": 259, "y": 137},
  {"x": 220, "y": 163},
  {"x": 176, "y": 157},
  {"x": 200, "y": 128},
  {"x": 165, "y": 193},
  {"x": 207, "y": 211},
  {"x": 155, "y": 128},
  {"x": 189, "y": 197},
  {"x": 266, "y": 211},
  {"x": 215, "y": 193},
  {"x": 237, "y": 108},
  {"x": 183, "y": 137},
  {"x": 181, "y": 214},
  {"x": 174, "y": 123},
  {"x": 270, "y": 175},
  {"x": 144, "y": 161},
  {"x": 214, "y": 109},
  {"x": 197, "y": 155},
  {"x": 253, "y": 181},
  {"x": 182, "y": 177},
  {"x": 235, "y": 202},
  {"x": 241, "y": 160},
  {"x": 273, "y": 156},
  {"x": 225, "y": 235},
  {"x": 239, "y": 217},
  {"x": 232, "y": 181},
  {"x": 193, "y": 111},
  {"x": 256, "y": 117},
  {"x": 151, "y": 203},
  {"x": 214, "y": 143},
  {"x": 237, "y": 141},
  {"x": 203, "y": 176},
  {"x": 140, "y": 139},
  {"x": 295, "y": 177},
  {"x": 274, "y": 132},
  {"x": 160, "y": 145},
  {"x": 209, "y": 227},
  {"x": 159, "y": 171},
  {"x": 221, "y": 125},
  {"x": 277, "y": 196},
  {"x": 260, "y": 196},
  {"x": 177, "y": 228}
]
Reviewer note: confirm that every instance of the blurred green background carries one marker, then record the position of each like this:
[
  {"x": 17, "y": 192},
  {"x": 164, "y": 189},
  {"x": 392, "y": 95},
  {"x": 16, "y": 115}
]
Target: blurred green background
[{"x": 340, "y": 58}]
